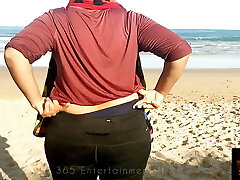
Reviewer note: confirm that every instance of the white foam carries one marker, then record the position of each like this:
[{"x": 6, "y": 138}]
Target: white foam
[
  {"x": 5, "y": 38},
  {"x": 2, "y": 45}
]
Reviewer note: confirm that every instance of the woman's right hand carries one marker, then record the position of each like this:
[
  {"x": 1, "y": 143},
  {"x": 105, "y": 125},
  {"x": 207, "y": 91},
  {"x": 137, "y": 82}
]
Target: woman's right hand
[
  {"x": 151, "y": 99},
  {"x": 48, "y": 108}
]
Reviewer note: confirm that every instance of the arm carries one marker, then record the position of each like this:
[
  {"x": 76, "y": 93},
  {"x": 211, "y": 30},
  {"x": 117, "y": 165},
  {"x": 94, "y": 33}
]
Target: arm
[
  {"x": 172, "y": 71},
  {"x": 21, "y": 72},
  {"x": 164, "y": 43},
  {"x": 26, "y": 47}
]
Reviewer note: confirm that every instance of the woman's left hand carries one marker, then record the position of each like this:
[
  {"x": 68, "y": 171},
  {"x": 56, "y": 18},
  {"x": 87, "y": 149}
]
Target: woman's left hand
[
  {"x": 151, "y": 99},
  {"x": 48, "y": 108}
]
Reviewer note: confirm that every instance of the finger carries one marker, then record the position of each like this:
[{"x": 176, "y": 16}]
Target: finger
[
  {"x": 40, "y": 106},
  {"x": 148, "y": 102},
  {"x": 148, "y": 106},
  {"x": 138, "y": 104},
  {"x": 142, "y": 92},
  {"x": 40, "y": 110},
  {"x": 53, "y": 109},
  {"x": 56, "y": 103},
  {"x": 64, "y": 106},
  {"x": 46, "y": 108},
  {"x": 155, "y": 104},
  {"x": 141, "y": 106},
  {"x": 143, "y": 101},
  {"x": 56, "y": 106},
  {"x": 51, "y": 106}
]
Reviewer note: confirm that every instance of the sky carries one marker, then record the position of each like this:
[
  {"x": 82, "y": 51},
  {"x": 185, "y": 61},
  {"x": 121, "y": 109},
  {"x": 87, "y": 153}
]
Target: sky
[{"x": 173, "y": 14}]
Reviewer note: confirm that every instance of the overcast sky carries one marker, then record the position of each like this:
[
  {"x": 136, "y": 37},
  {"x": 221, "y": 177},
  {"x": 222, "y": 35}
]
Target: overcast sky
[{"x": 174, "y": 14}]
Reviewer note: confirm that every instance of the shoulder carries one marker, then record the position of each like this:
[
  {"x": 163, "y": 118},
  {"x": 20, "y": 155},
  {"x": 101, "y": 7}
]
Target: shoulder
[
  {"x": 57, "y": 10},
  {"x": 138, "y": 19},
  {"x": 55, "y": 15},
  {"x": 51, "y": 14},
  {"x": 137, "y": 16}
]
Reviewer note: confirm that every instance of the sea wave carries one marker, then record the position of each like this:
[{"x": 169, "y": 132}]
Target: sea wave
[
  {"x": 3, "y": 42},
  {"x": 193, "y": 45},
  {"x": 198, "y": 49},
  {"x": 5, "y": 38},
  {"x": 216, "y": 46},
  {"x": 213, "y": 39},
  {"x": 218, "y": 42},
  {"x": 2, "y": 46}
]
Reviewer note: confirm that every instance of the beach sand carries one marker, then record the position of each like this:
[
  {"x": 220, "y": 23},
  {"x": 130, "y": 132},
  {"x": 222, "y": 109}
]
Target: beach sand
[{"x": 195, "y": 128}]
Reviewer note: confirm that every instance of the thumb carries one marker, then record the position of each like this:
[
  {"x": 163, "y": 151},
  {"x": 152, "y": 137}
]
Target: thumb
[{"x": 39, "y": 108}]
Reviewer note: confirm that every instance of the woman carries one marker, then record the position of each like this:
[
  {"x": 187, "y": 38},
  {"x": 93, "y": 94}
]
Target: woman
[{"x": 97, "y": 122}]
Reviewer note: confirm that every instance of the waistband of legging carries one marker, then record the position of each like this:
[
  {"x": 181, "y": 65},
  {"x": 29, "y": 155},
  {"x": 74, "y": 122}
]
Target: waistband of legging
[{"x": 112, "y": 111}]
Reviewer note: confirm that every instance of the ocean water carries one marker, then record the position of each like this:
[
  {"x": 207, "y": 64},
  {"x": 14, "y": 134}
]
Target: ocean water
[
  {"x": 211, "y": 48},
  {"x": 210, "y": 41},
  {"x": 6, "y": 33}
]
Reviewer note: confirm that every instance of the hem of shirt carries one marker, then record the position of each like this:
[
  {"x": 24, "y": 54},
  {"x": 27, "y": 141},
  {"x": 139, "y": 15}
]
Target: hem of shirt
[
  {"x": 182, "y": 53},
  {"x": 19, "y": 48},
  {"x": 64, "y": 100}
]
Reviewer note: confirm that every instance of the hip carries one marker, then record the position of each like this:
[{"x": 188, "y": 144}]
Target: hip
[{"x": 88, "y": 129}]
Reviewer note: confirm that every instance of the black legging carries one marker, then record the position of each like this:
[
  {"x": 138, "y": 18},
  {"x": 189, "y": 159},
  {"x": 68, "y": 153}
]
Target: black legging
[{"x": 83, "y": 147}]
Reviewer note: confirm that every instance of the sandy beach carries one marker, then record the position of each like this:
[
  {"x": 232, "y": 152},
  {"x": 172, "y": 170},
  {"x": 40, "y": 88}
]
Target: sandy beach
[{"x": 195, "y": 129}]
